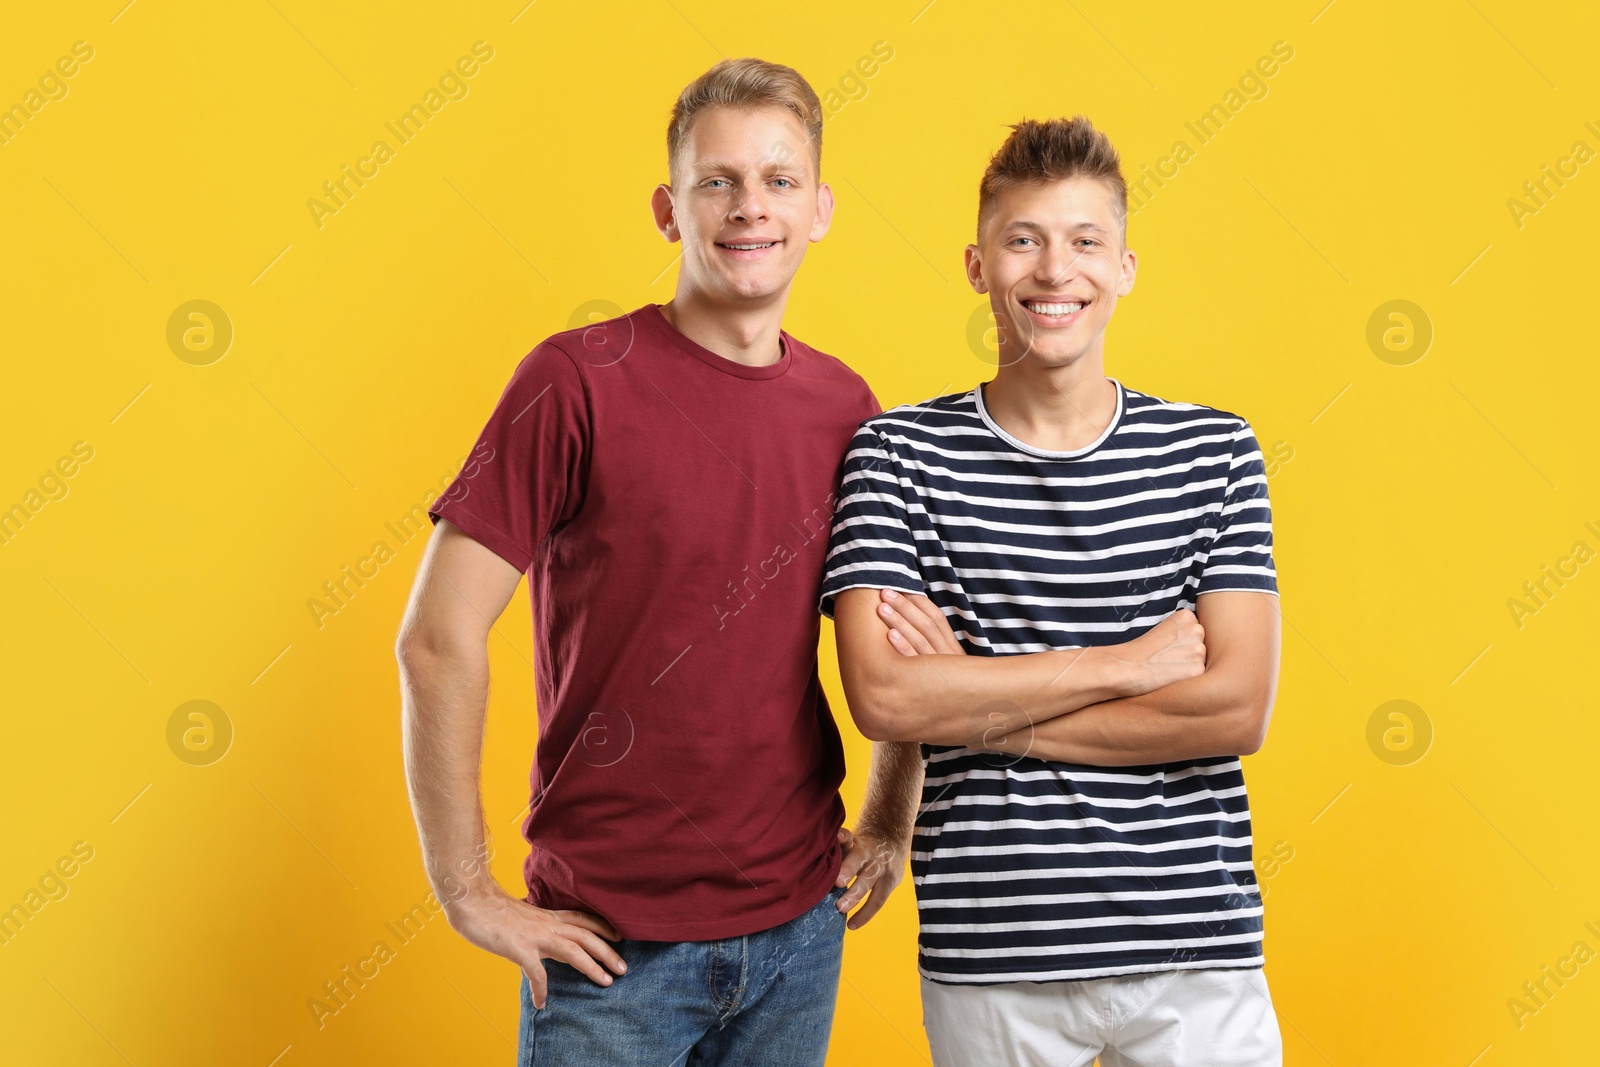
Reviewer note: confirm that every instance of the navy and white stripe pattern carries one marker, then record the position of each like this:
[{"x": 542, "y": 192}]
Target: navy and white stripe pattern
[{"x": 1034, "y": 870}]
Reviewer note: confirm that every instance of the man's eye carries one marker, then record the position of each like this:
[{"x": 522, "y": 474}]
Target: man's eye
[
  {"x": 713, "y": 183},
  {"x": 1014, "y": 240},
  {"x": 785, "y": 182}
]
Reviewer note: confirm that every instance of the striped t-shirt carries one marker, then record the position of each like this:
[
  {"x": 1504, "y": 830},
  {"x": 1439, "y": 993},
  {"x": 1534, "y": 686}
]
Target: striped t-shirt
[{"x": 1035, "y": 870}]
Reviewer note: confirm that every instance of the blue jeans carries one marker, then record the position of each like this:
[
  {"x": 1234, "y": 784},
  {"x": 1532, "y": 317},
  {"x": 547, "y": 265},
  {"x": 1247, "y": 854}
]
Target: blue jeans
[{"x": 764, "y": 998}]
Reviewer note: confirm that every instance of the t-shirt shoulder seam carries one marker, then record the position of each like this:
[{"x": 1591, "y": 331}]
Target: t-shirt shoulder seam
[
  {"x": 801, "y": 349},
  {"x": 1151, "y": 400},
  {"x": 931, "y": 404},
  {"x": 849, "y": 376},
  {"x": 583, "y": 379}
]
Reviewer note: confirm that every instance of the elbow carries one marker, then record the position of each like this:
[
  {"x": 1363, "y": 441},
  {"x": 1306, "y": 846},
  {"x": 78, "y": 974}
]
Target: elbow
[
  {"x": 410, "y": 648},
  {"x": 423, "y": 640},
  {"x": 875, "y": 709},
  {"x": 412, "y": 640},
  {"x": 887, "y": 727},
  {"x": 871, "y": 727},
  {"x": 891, "y": 723},
  {"x": 1252, "y": 730},
  {"x": 873, "y": 717},
  {"x": 425, "y": 659}
]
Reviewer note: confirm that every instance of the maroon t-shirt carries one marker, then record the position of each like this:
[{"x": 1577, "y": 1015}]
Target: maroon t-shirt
[{"x": 672, "y": 509}]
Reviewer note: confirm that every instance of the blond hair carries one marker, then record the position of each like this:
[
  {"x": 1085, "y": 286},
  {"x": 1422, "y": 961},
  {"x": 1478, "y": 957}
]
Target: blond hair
[{"x": 747, "y": 84}]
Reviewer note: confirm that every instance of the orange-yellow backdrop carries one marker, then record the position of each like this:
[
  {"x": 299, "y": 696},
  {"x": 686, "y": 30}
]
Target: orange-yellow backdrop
[{"x": 1429, "y": 458}]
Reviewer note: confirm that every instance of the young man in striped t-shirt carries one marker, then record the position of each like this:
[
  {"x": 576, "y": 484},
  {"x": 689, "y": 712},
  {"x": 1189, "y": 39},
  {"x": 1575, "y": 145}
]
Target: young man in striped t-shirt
[{"x": 1096, "y": 563}]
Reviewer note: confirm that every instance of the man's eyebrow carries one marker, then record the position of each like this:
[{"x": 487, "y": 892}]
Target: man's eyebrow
[
  {"x": 1025, "y": 224},
  {"x": 709, "y": 166}
]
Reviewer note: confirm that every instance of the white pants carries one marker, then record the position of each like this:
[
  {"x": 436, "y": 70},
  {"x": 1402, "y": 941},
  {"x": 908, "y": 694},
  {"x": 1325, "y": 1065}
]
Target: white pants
[{"x": 1194, "y": 1018}]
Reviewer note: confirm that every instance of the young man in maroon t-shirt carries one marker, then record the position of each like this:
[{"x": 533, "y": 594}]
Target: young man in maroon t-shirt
[{"x": 666, "y": 480}]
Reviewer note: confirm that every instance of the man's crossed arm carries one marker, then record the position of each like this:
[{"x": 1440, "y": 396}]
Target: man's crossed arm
[{"x": 1198, "y": 684}]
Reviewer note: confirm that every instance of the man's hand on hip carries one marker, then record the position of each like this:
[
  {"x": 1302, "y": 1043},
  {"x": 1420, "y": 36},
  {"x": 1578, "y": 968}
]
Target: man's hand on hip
[
  {"x": 876, "y": 862},
  {"x": 527, "y": 936}
]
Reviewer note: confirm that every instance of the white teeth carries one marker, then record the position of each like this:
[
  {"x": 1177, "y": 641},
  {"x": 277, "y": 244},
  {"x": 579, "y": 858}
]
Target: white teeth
[
  {"x": 749, "y": 248},
  {"x": 1053, "y": 309}
]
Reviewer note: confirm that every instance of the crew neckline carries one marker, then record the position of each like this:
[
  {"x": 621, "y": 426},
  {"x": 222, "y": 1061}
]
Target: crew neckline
[
  {"x": 1045, "y": 453},
  {"x": 691, "y": 347}
]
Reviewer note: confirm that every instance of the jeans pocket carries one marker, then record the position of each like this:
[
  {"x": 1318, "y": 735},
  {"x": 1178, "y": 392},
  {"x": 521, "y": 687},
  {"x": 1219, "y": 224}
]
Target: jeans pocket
[
  {"x": 831, "y": 901},
  {"x": 525, "y": 1026}
]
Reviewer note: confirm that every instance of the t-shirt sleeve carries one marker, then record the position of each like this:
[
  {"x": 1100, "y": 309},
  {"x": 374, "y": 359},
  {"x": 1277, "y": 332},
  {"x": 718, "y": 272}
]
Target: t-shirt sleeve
[
  {"x": 871, "y": 544},
  {"x": 1241, "y": 554},
  {"x": 869, "y": 403},
  {"x": 526, "y": 474}
]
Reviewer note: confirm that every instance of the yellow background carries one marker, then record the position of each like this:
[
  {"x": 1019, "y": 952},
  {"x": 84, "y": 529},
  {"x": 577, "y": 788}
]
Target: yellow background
[{"x": 367, "y": 353}]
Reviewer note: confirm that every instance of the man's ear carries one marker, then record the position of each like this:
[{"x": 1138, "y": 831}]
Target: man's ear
[
  {"x": 666, "y": 218},
  {"x": 975, "y": 270},
  {"x": 1130, "y": 267},
  {"x": 824, "y": 217}
]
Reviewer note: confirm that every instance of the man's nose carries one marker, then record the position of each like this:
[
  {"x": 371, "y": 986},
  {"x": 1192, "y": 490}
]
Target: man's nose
[
  {"x": 1057, "y": 263},
  {"x": 751, "y": 202}
]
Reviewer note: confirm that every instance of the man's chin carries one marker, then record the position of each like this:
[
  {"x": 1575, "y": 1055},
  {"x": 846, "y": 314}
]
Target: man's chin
[
  {"x": 751, "y": 290},
  {"x": 1049, "y": 357}
]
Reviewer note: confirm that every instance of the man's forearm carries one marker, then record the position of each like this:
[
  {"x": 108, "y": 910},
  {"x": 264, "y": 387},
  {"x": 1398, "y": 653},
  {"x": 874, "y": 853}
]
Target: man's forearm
[
  {"x": 894, "y": 786},
  {"x": 959, "y": 700},
  {"x": 444, "y": 696},
  {"x": 1195, "y": 718}
]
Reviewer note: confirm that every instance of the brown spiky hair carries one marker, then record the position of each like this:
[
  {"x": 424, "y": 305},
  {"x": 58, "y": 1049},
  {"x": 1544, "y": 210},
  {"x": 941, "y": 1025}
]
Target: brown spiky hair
[
  {"x": 1053, "y": 150},
  {"x": 747, "y": 84}
]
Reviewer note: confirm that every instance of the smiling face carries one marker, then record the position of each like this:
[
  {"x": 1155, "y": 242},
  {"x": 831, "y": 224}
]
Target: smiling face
[
  {"x": 1051, "y": 257},
  {"x": 745, "y": 202}
]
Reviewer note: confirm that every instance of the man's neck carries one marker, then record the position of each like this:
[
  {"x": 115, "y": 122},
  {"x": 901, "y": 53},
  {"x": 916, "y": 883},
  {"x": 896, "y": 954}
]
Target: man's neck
[
  {"x": 1058, "y": 409},
  {"x": 747, "y": 333}
]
